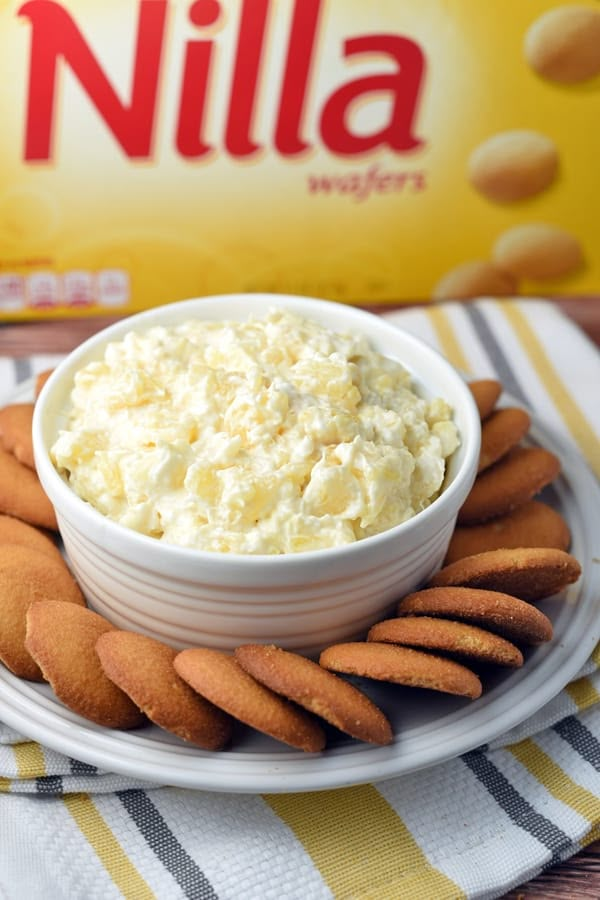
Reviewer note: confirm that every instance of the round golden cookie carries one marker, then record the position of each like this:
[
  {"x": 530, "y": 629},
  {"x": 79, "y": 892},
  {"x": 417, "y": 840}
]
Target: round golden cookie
[
  {"x": 476, "y": 278},
  {"x": 320, "y": 692},
  {"x": 15, "y": 531},
  {"x": 26, "y": 575},
  {"x": 218, "y": 677},
  {"x": 538, "y": 251},
  {"x": 563, "y": 44},
  {"x": 62, "y": 637},
  {"x": 513, "y": 165},
  {"x": 448, "y": 636},
  {"x": 15, "y": 431},
  {"x": 534, "y": 524},
  {"x": 501, "y": 431},
  {"x": 514, "y": 619},
  {"x": 486, "y": 392},
  {"x": 402, "y": 665},
  {"x": 530, "y": 573},
  {"x": 143, "y": 668},
  {"x": 22, "y": 495},
  {"x": 512, "y": 481}
]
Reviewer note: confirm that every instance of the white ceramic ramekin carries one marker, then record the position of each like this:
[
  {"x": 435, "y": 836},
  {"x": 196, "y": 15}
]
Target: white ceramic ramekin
[{"x": 301, "y": 601}]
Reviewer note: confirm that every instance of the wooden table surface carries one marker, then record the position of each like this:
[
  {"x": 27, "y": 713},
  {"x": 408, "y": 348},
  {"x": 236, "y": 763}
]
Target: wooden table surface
[{"x": 576, "y": 879}]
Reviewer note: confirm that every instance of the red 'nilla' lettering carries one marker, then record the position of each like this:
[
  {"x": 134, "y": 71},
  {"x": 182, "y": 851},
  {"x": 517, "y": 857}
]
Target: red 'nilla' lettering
[
  {"x": 296, "y": 76},
  {"x": 56, "y": 37},
  {"x": 403, "y": 87},
  {"x": 189, "y": 138}
]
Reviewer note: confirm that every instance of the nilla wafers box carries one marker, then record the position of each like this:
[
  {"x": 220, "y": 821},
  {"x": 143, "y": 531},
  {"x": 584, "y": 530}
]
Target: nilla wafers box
[{"x": 369, "y": 153}]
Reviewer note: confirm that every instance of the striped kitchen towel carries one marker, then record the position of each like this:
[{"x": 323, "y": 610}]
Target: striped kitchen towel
[{"x": 473, "y": 827}]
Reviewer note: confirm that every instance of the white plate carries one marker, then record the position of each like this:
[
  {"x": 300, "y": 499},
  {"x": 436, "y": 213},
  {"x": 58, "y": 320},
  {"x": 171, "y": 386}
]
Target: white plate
[{"x": 429, "y": 727}]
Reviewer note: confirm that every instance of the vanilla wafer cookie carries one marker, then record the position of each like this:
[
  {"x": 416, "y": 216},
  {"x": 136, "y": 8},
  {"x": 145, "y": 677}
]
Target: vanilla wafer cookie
[
  {"x": 530, "y": 573},
  {"x": 15, "y": 431},
  {"x": 15, "y": 531},
  {"x": 486, "y": 392},
  {"x": 534, "y": 524},
  {"x": 401, "y": 665},
  {"x": 27, "y": 575},
  {"x": 218, "y": 677},
  {"x": 143, "y": 668},
  {"x": 317, "y": 690},
  {"x": 504, "y": 614},
  {"x": 501, "y": 431},
  {"x": 61, "y": 637},
  {"x": 512, "y": 481},
  {"x": 22, "y": 495},
  {"x": 448, "y": 636},
  {"x": 40, "y": 380}
]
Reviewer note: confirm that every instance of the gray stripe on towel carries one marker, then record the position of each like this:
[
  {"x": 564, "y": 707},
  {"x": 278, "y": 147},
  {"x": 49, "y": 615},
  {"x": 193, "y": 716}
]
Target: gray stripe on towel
[
  {"x": 23, "y": 369},
  {"x": 159, "y": 837},
  {"x": 49, "y": 784},
  {"x": 505, "y": 374},
  {"x": 495, "y": 353},
  {"x": 580, "y": 739},
  {"x": 81, "y": 768},
  {"x": 517, "y": 808}
]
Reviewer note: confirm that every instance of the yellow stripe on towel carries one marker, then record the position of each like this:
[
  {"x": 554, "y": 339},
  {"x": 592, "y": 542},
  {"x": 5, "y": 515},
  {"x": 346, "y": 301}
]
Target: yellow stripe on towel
[
  {"x": 107, "y": 848},
  {"x": 565, "y": 403},
  {"x": 583, "y": 693},
  {"x": 595, "y": 657},
  {"x": 447, "y": 338},
  {"x": 556, "y": 781},
  {"x": 360, "y": 846},
  {"x": 31, "y": 762}
]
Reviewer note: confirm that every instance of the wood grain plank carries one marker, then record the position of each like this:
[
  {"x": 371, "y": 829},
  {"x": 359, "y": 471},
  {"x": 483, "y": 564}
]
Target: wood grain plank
[
  {"x": 60, "y": 336},
  {"x": 578, "y": 878}
]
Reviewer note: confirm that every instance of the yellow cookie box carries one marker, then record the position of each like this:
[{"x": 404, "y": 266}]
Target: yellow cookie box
[{"x": 371, "y": 153}]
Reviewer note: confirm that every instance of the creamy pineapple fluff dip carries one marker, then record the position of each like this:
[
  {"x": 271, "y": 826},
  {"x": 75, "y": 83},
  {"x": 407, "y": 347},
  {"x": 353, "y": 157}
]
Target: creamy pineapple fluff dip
[{"x": 272, "y": 435}]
